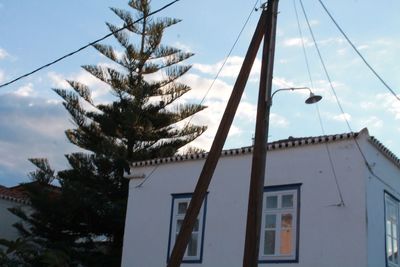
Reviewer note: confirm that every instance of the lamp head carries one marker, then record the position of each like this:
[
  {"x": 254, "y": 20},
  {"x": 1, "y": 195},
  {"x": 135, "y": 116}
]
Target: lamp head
[{"x": 312, "y": 99}]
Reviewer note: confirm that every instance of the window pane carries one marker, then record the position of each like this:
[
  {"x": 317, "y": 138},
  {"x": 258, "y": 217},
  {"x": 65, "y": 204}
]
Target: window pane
[
  {"x": 270, "y": 221},
  {"x": 269, "y": 242},
  {"x": 196, "y": 226},
  {"x": 286, "y": 242},
  {"x": 272, "y": 202},
  {"x": 178, "y": 225},
  {"x": 389, "y": 248},
  {"x": 182, "y": 207},
  {"x": 192, "y": 246},
  {"x": 395, "y": 251},
  {"x": 286, "y": 221},
  {"x": 287, "y": 201}
]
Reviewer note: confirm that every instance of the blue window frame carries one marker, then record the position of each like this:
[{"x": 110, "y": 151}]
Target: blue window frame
[
  {"x": 194, "y": 250},
  {"x": 279, "y": 236},
  {"x": 392, "y": 230}
]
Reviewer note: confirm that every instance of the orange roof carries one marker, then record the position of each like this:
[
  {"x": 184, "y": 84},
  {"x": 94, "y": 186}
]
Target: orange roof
[{"x": 15, "y": 194}]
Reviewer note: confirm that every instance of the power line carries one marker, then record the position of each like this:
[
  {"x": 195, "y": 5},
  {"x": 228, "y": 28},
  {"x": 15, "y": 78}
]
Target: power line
[
  {"x": 328, "y": 151},
  {"x": 358, "y": 52},
  {"x": 302, "y": 44},
  {"x": 324, "y": 66},
  {"x": 225, "y": 60},
  {"x": 341, "y": 108},
  {"x": 86, "y": 46},
  {"x": 212, "y": 83}
]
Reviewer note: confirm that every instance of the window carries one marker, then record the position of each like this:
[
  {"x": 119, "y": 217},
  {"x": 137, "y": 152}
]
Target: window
[
  {"x": 194, "y": 250},
  {"x": 392, "y": 235},
  {"x": 280, "y": 220}
]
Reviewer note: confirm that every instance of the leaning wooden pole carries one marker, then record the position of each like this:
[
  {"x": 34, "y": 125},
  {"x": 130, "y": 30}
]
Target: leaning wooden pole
[
  {"x": 216, "y": 148},
  {"x": 254, "y": 210}
]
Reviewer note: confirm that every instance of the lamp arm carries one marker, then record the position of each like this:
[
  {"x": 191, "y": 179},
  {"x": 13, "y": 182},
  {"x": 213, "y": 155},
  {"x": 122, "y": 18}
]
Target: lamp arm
[{"x": 269, "y": 101}]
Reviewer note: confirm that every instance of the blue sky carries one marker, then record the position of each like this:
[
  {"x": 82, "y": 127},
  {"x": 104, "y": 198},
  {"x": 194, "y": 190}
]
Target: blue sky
[{"x": 32, "y": 119}]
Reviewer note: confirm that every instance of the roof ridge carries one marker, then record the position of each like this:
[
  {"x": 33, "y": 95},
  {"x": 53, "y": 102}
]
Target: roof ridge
[
  {"x": 279, "y": 144},
  {"x": 386, "y": 151}
]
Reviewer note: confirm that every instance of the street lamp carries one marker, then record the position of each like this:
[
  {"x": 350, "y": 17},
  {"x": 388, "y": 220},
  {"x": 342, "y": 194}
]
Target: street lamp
[
  {"x": 312, "y": 99},
  {"x": 257, "y": 180}
]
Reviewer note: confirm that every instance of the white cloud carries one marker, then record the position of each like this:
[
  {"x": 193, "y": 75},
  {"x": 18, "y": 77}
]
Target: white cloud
[
  {"x": 342, "y": 51},
  {"x": 1, "y": 76},
  {"x": 220, "y": 90},
  {"x": 342, "y": 117},
  {"x": 282, "y": 82},
  {"x": 362, "y": 47},
  {"x": 26, "y": 90},
  {"x": 368, "y": 105},
  {"x": 337, "y": 41},
  {"x": 3, "y": 53},
  {"x": 57, "y": 80},
  {"x": 97, "y": 87},
  {"x": 296, "y": 42},
  {"x": 185, "y": 48},
  {"x": 211, "y": 117},
  {"x": 373, "y": 122},
  {"x": 31, "y": 127},
  {"x": 119, "y": 54},
  {"x": 278, "y": 120},
  {"x": 231, "y": 68},
  {"x": 247, "y": 111},
  {"x": 390, "y": 103}
]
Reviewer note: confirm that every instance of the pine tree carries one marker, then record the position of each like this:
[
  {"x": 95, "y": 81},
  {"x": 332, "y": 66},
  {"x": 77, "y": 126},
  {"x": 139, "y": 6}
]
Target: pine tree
[{"x": 84, "y": 221}]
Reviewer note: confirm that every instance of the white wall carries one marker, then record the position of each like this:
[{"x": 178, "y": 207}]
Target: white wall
[
  {"x": 388, "y": 179},
  {"x": 7, "y": 219},
  {"x": 330, "y": 236}
]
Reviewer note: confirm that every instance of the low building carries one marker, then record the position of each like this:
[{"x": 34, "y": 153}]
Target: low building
[
  {"x": 329, "y": 201},
  {"x": 10, "y": 198}
]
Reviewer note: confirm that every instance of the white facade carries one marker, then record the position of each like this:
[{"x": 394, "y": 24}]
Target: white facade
[
  {"x": 329, "y": 234},
  {"x": 7, "y": 219}
]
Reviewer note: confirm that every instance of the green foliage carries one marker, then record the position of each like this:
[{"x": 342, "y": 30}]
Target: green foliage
[{"x": 81, "y": 223}]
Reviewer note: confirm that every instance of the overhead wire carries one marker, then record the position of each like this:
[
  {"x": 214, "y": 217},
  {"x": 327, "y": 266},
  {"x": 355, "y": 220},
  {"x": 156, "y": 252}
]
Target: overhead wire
[
  {"x": 86, "y": 46},
  {"x": 368, "y": 165},
  {"x": 328, "y": 151},
  {"x": 226, "y": 59},
  {"x": 213, "y": 81},
  {"x": 358, "y": 52}
]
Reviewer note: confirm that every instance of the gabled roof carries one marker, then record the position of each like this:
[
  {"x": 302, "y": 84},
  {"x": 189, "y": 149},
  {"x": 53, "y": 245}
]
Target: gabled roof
[{"x": 277, "y": 145}]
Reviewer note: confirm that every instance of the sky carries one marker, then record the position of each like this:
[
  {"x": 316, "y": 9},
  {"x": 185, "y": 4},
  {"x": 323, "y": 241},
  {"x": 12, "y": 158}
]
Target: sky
[{"x": 33, "y": 33}]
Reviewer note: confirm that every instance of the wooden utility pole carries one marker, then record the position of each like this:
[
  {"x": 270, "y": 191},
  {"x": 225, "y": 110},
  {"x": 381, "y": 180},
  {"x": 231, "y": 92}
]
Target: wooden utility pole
[
  {"x": 266, "y": 28},
  {"x": 254, "y": 210},
  {"x": 216, "y": 148}
]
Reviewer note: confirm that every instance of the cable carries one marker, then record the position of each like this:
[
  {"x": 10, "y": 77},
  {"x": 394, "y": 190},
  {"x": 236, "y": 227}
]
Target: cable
[
  {"x": 358, "y": 52},
  {"x": 86, "y": 46},
  {"x": 150, "y": 174},
  {"x": 340, "y": 106},
  {"x": 302, "y": 43},
  {"x": 324, "y": 66},
  {"x": 225, "y": 60},
  {"x": 341, "y": 203},
  {"x": 213, "y": 82}
]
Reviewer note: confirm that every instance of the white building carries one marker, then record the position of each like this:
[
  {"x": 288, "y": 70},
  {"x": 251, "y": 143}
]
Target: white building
[
  {"x": 10, "y": 198},
  {"x": 304, "y": 222}
]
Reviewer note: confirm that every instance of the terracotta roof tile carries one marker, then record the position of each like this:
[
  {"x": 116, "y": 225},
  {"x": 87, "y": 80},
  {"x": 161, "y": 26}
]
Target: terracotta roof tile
[
  {"x": 13, "y": 195},
  {"x": 276, "y": 145}
]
